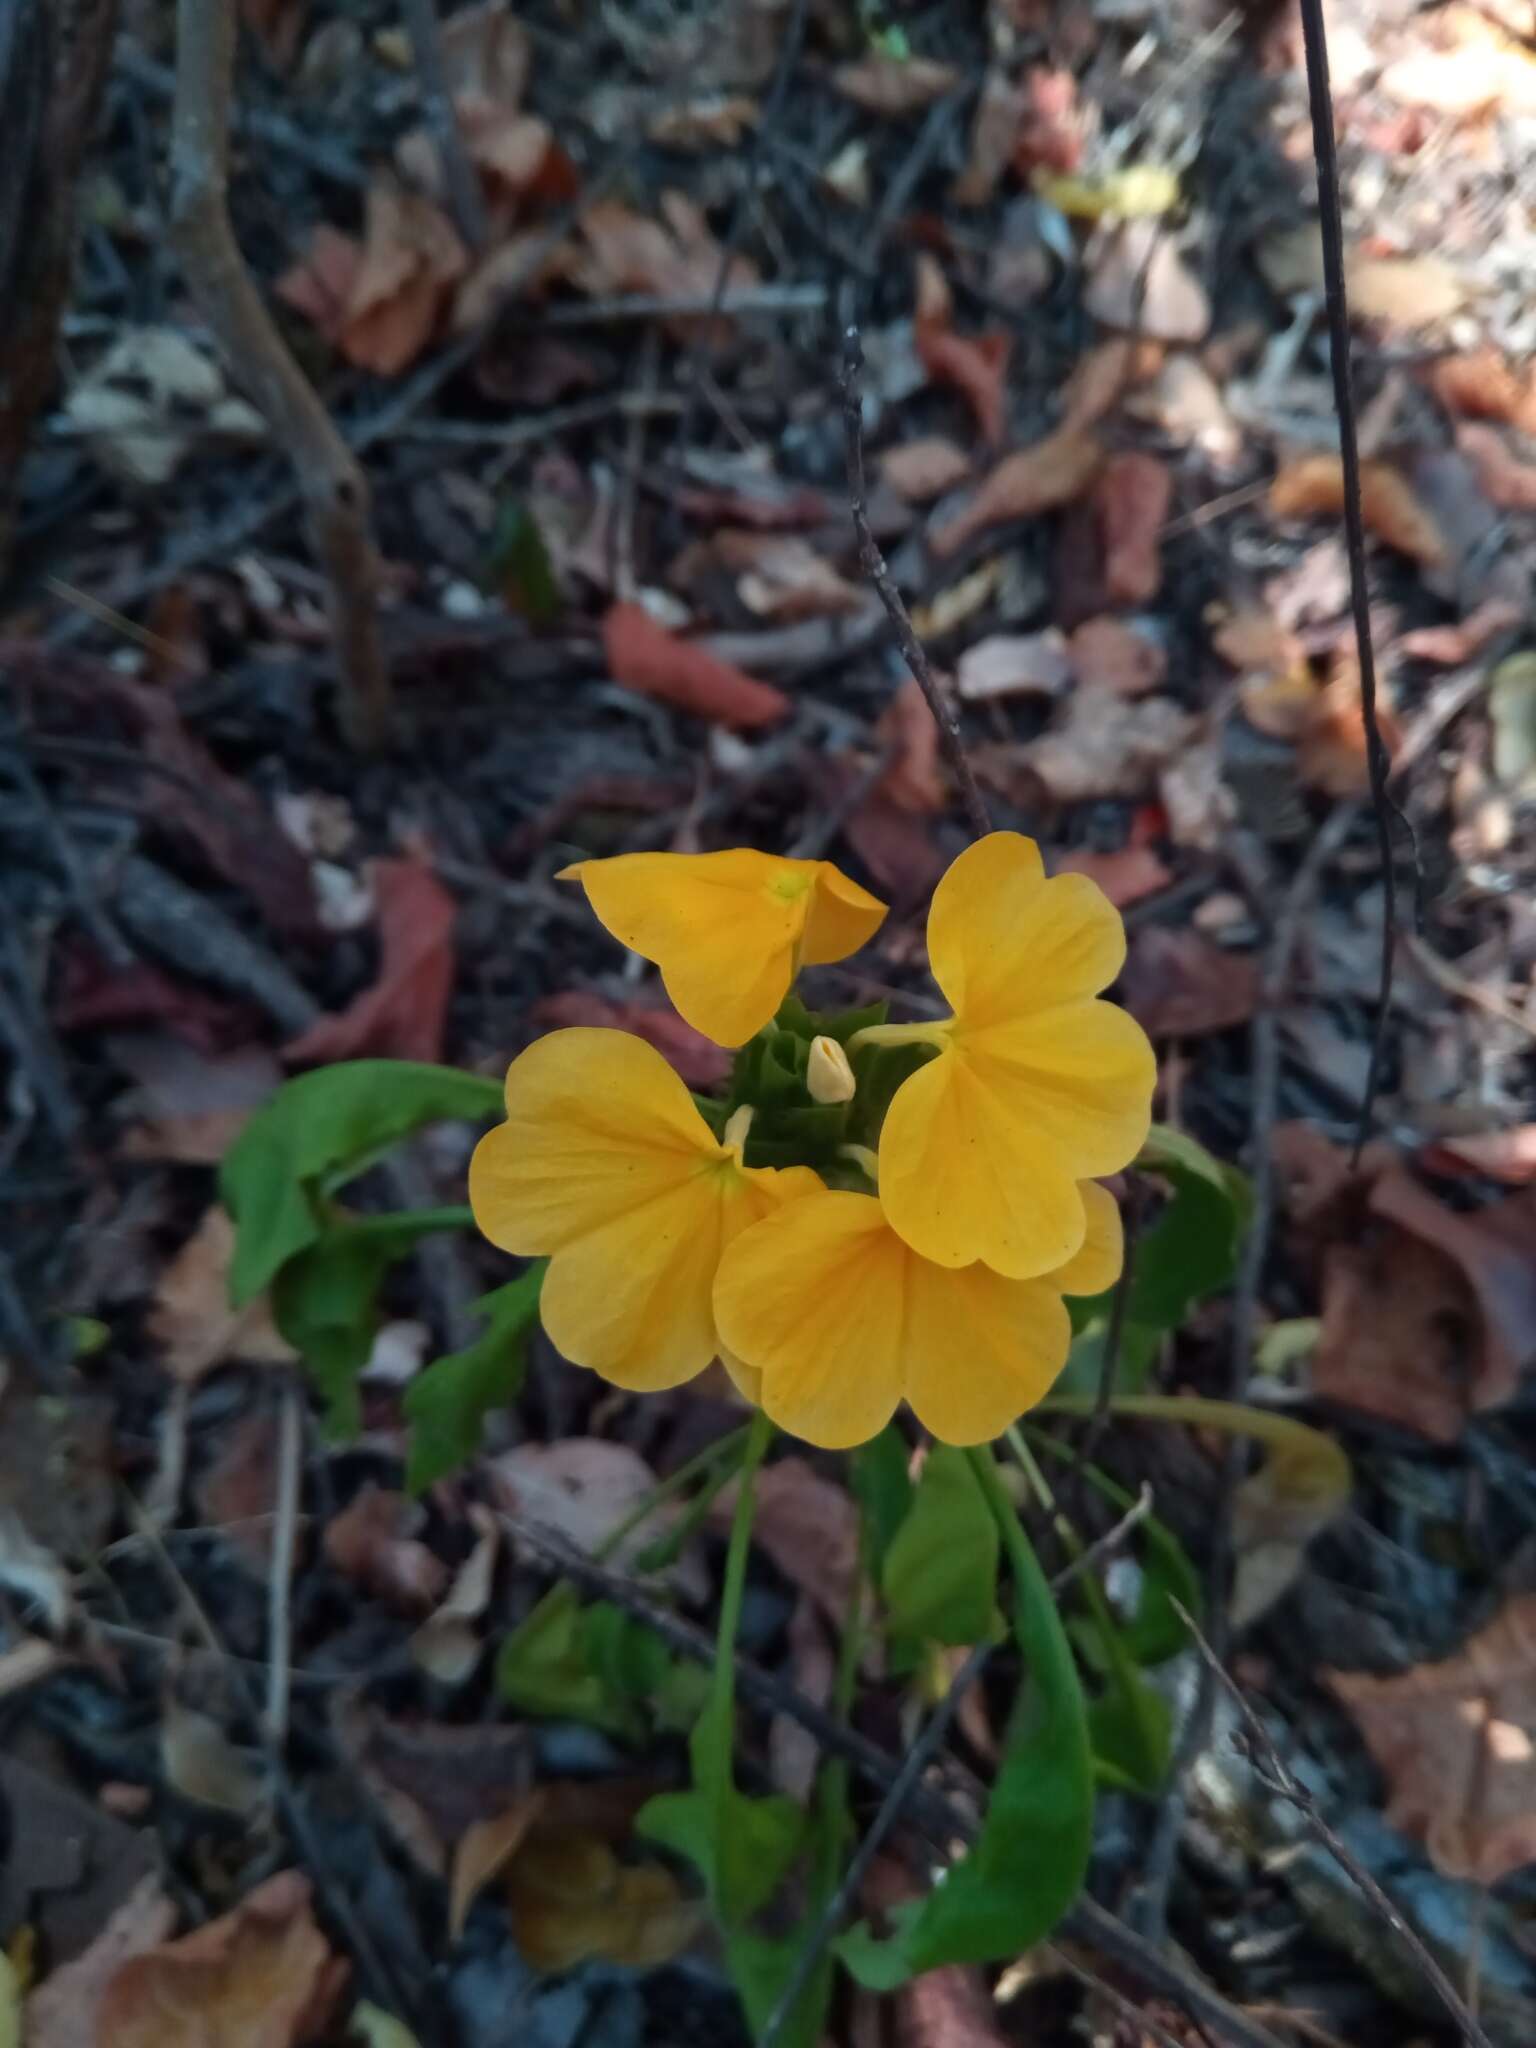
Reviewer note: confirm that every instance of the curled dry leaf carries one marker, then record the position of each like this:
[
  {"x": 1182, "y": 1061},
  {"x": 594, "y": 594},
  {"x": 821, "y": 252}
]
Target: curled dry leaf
[
  {"x": 783, "y": 578},
  {"x": 1140, "y": 284},
  {"x": 1313, "y": 487},
  {"x": 202, "y": 1764},
  {"x": 483, "y": 1853},
  {"x": 1037, "y": 479},
  {"x": 924, "y": 469},
  {"x": 583, "y": 1488},
  {"x": 676, "y": 257},
  {"x": 1121, "y": 659},
  {"x": 809, "y": 1527},
  {"x": 571, "y": 1900},
  {"x": 371, "y": 1542},
  {"x": 191, "y": 1320},
  {"x": 1456, "y": 1741},
  {"x": 1015, "y": 665},
  {"x": 1102, "y": 376},
  {"x": 1483, "y": 385},
  {"x": 263, "y": 1976},
  {"x": 646, "y": 657},
  {"x": 1506, "y": 481},
  {"x": 894, "y": 86},
  {"x": 701, "y": 1062},
  {"x": 1131, "y": 496},
  {"x": 976, "y": 365},
  {"x": 447, "y": 1646},
  {"x": 914, "y": 781},
  {"x": 1331, "y": 749},
  {"x": 1179, "y": 985},
  {"x": 65, "y": 2009},
  {"x": 380, "y": 302},
  {"x": 404, "y": 1014}
]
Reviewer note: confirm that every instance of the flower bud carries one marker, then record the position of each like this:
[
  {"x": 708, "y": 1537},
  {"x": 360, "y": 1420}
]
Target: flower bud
[{"x": 828, "y": 1076}]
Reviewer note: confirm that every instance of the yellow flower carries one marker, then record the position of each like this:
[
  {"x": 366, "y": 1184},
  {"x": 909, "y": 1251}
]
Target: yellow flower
[
  {"x": 729, "y": 931},
  {"x": 605, "y": 1163},
  {"x": 1036, "y": 1088},
  {"x": 830, "y": 1320}
]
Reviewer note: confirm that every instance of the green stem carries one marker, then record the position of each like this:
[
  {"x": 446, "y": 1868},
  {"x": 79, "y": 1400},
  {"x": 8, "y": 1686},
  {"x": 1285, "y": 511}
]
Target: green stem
[
  {"x": 668, "y": 1489},
  {"x": 1022, "y": 1561},
  {"x": 722, "y": 1691}
]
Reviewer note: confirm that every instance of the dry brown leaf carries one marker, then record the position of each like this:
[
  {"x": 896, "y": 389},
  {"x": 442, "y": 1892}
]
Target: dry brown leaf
[
  {"x": 646, "y": 657},
  {"x": 914, "y": 781},
  {"x": 484, "y": 1851},
  {"x": 1471, "y": 78},
  {"x": 1283, "y": 703},
  {"x": 1450, "y": 646},
  {"x": 896, "y": 847},
  {"x": 783, "y": 578},
  {"x": 1403, "y": 291},
  {"x": 1506, "y": 481},
  {"x": 1456, "y": 1741},
  {"x": 1184, "y": 402},
  {"x": 1331, "y": 749},
  {"x": 1131, "y": 495},
  {"x": 487, "y": 53},
  {"x": 1125, "y": 877},
  {"x": 1483, "y": 385},
  {"x": 809, "y": 1527},
  {"x": 192, "y": 1320},
  {"x": 1138, "y": 282},
  {"x": 1033, "y": 480},
  {"x": 380, "y": 303},
  {"x": 237, "y": 1492},
  {"x": 676, "y": 257},
  {"x": 976, "y": 365},
  {"x": 794, "y": 1754},
  {"x": 571, "y": 1899},
  {"x": 1110, "y": 655},
  {"x": 1254, "y": 639},
  {"x": 1103, "y": 375},
  {"x": 1179, "y": 985},
  {"x": 65, "y": 2009},
  {"x": 702, "y": 1063},
  {"x": 278, "y": 25},
  {"x": 894, "y": 86},
  {"x": 404, "y": 1014},
  {"x": 721, "y": 121},
  {"x": 370, "y": 1542},
  {"x": 924, "y": 469},
  {"x": 583, "y": 1487},
  {"x": 1507, "y": 1156},
  {"x": 1106, "y": 747},
  {"x": 1313, "y": 487},
  {"x": 994, "y": 134},
  {"x": 448, "y": 1644},
  {"x": 520, "y": 266},
  {"x": 1015, "y": 665},
  {"x": 263, "y": 1976},
  {"x": 201, "y": 1763}
]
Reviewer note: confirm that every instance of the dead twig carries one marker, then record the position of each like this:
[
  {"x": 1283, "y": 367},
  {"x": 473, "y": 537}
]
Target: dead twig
[
  {"x": 335, "y": 492},
  {"x": 1275, "y": 1774},
  {"x": 284, "y": 1548},
  {"x": 875, "y": 568},
  {"x": 465, "y": 199}
]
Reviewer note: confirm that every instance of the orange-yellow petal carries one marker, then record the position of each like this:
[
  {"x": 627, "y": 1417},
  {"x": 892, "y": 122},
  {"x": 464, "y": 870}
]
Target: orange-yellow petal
[
  {"x": 1003, "y": 940},
  {"x": 812, "y": 1299},
  {"x": 1081, "y": 1076},
  {"x": 965, "y": 1174},
  {"x": 598, "y": 1127},
  {"x": 728, "y": 929},
  {"x": 1098, "y": 1261},
  {"x": 980, "y": 1349}
]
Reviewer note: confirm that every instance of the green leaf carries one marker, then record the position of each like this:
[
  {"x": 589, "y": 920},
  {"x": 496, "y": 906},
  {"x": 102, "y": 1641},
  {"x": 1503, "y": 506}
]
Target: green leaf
[
  {"x": 629, "y": 1659},
  {"x": 761, "y": 1966},
  {"x": 543, "y": 1668},
  {"x": 741, "y": 1847},
  {"x": 324, "y": 1300},
  {"x": 940, "y": 1573},
  {"x": 1129, "y": 1724},
  {"x": 326, "y": 1126},
  {"x": 447, "y": 1404},
  {"x": 1028, "y": 1863},
  {"x": 882, "y": 1488},
  {"x": 518, "y": 568}
]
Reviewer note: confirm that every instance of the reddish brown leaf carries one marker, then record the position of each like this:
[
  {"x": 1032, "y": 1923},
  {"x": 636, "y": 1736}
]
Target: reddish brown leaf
[
  {"x": 404, "y": 1014},
  {"x": 92, "y": 995},
  {"x": 320, "y": 283},
  {"x": 263, "y": 1976},
  {"x": 1507, "y": 482},
  {"x": 1125, "y": 877},
  {"x": 1450, "y": 646},
  {"x": 278, "y": 25},
  {"x": 1050, "y": 136},
  {"x": 1507, "y": 1156},
  {"x": 809, "y": 1526},
  {"x": 1109, "y": 655},
  {"x": 1179, "y": 985},
  {"x": 65, "y": 2010},
  {"x": 1456, "y": 1741},
  {"x": 1483, "y": 385},
  {"x": 1132, "y": 494},
  {"x": 896, "y": 847},
  {"x": 976, "y": 365},
  {"x": 370, "y": 1543},
  {"x": 1331, "y": 751},
  {"x": 1313, "y": 487},
  {"x": 914, "y": 781},
  {"x": 1102, "y": 375},
  {"x": 702, "y": 1064},
  {"x": 646, "y": 657},
  {"x": 676, "y": 257},
  {"x": 380, "y": 303},
  {"x": 925, "y": 468},
  {"x": 1038, "y": 479}
]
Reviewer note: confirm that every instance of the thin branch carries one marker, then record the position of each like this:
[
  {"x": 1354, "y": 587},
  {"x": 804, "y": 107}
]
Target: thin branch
[
  {"x": 283, "y": 1549},
  {"x": 334, "y": 489},
  {"x": 1275, "y": 1774},
  {"x": 875, "y": 568},
  {"x": 465, "y": 199},
  {"x": 1320, "y": 95}
]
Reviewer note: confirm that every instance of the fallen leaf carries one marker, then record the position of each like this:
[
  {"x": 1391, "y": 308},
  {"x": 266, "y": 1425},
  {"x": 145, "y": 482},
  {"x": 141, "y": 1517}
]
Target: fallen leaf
[
  {"x": 1179, "y": 985},
  {"x": 263, "y": 1976},
  {"x": 380, "y": 303},
  {"x": 519, "y": 267},
  {"x": 1331, "y": 748},
  {"x": 676, "y": 257},
  {"x": 1050, "y": 135},
  {"x": 1284, "y": 703},
  {"x": 994, "y": 135},
  {"x": 1106, "y": 747},
  {"x": 448, "y": 1644},
  {"x": 1131, "y": 496},
  {"x": 646, "y": 657},
  {"x": 1512, "y": 714},
  {"x": 1037, "y": 479},
  {"x": 1192, "y": 787},
  {"x": 783, "y": 578},
  {"x": 278, "y": 25},
  {"x": 1468, "y": 79},
  {"x": 433, "y": 1780},
  {"x": 486, "y": 51},
  {"x": 1506, "y": 481},
  {"x": 924, "y": 469},
  {"x": 1138, "y": 282},
  {"x": 150, "y": 398},
  {"x": 1015, "y": 664},
  {"x": 202, "y": 1764},
  {"x": 794, "y": 1754},
  {"x": 914, "y": 781},
  {"x": 957, "y": 603},
  {"x": 1184, "y": 402},
  {"x": 1119, "y": 659},
  {"x": 379, "y": 2029},
  {"x": 1482, "y": 384},
  {"x": 237, "y": 1492},
  {"x": 745, "y": 490},
  {"x": 896, "y": 847},
  {"x": 1313, "y": 487},
  {"x": 1125, "y": 877},
  {"x": 1456, "y": 1742},
  {"x": 1255, "y": 639},
  {"x": 1100, "y": 378},
  {"x": 404, "y": 1014},
  {"x": 92, "y": 995},
  {"x": 194, "y": 1105},
  {"x": 1450, "y": 646},
  {"x": 808, "y": 1526},
  {"x": 192, "y": 1321},
  {"x": 702, "y": 1063},
  {"x": 521, "y": 165},
  {"x": 65, "y": 2009},
  {"x": 1429, "y": 1316},
  {"x": 893, "y": 86},
  {"x": 721, "y": 121},
  {"x": 583, "y": 1487},
  {"x": 371, "y": 1543},
  {"x": 1507, "y": 1156},
  {"x": 572, "y": 1900},
  {"x": 1403, "y": 291},
  {"x": 976, "y": 365},
  {"x": 483, "y": 1853}
]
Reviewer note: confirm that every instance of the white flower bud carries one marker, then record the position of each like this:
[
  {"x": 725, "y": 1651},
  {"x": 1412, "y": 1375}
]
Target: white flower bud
[{"x": 828, "y": 1076}]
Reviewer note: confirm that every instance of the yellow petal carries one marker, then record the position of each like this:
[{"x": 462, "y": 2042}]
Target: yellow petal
[
  {"x": 746, "y": 1379},
  {"x": 965, "y": 1174},
  {"x": 1098, "y": 1261},
  {"x": 979, "y": 1349},
  {"x": 1081, "y": 1078},
  {"x": 598, "y": 1126},
  {"x": 842, "y": 917},
  {"x": 813, "y": 1300},
  {"x": 1002, "y": 940}
]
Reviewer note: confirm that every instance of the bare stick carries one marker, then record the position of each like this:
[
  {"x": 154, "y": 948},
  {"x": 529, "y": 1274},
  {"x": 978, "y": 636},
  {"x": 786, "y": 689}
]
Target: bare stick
[
  {"x": 337, "y": 504},
  {"x": 878, "y": 574},
  {"x": 1277, "y": 1776},
  {"x": 285, "y": 1533},
  {"x": 1319, "y": 92},
  {"x": 465, "y": 198}
]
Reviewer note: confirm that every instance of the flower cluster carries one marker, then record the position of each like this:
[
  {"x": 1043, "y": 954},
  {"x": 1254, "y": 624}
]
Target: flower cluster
[{"x": 874, "y": 1212}]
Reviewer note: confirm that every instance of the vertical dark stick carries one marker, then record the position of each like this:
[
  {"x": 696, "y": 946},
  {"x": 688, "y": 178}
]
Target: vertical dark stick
[{"x": 1320, "y": 95}]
